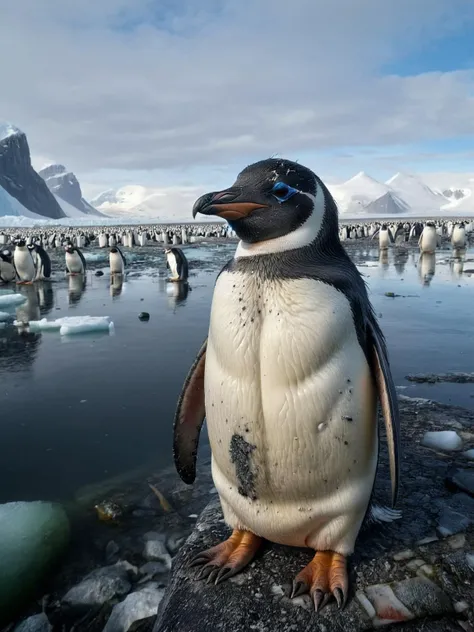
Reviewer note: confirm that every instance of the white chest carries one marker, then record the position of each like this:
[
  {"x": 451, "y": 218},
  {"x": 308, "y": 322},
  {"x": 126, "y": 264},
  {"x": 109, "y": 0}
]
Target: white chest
[
  {"x": 74, "y": 262},
  {"x": 24, "y": 264},
  {"x": 116, "y": 263},
  {"x": 172, "y": 264}
]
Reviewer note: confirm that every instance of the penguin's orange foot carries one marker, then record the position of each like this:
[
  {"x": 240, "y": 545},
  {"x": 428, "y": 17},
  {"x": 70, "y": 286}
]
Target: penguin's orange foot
[
  {"x": 227, "y": 558},
  {"x": 325, "y": 576}
]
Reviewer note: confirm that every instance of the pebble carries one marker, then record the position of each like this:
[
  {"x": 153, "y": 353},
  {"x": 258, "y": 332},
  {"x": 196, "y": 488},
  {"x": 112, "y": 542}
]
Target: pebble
[
  {"x": 150, "y": 569},
  {"x": 99, "y": 273},
  {"x": 414, "y": 565},
  {"x": 404, "y": 555},
  {"x": 36, "y": 623},
  {"x": 461, "y": 606},
  {"x": 144, "y": 316},
  {"x": 463, "y": 480},
  {"x": 98, "y": 587},
  {"x": 469, "y": 454},
  {"x": 155, "y": 549},
  {"x": 470, "y": 560},
  {"x": 457, "y": 541},
  {"x": 111, "y": 551},
  {"x": 446, "y": 440},
  {"x": 135, "y": 607},
  {"x": 451, "y": 522}
]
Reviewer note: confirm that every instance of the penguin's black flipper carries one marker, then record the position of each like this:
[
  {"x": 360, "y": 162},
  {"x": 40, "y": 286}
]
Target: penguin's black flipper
[
  {"x": 84, "y": 264},
  {"x": 188, "y": 420},
  {"x": 388, "y": 399}
]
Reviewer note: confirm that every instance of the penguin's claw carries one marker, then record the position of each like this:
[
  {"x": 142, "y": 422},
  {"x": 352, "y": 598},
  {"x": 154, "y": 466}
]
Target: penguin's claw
[
  {"x": 227, "y": 558},
  {"x": 323, "y": 577}
]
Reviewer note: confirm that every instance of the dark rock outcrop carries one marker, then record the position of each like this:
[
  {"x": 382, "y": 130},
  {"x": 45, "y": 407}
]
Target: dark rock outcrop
[
  {"x": 412, "y": 571},
  {"x": 65, "y": 185},
  {"x": 21, "y": 181}
]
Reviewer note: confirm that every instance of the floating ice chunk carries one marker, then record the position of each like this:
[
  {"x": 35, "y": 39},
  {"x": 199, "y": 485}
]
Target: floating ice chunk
[
  {"x": 469, "y": 454},
  {"x": 95, "y": 257},
  {"x": 4, "y": 316},
  {"x": 3, "y": 292},
  {"x": 442, "y": 440},
  {"x": 73, "y": 324},
  {"x": 11, "y": 299}
]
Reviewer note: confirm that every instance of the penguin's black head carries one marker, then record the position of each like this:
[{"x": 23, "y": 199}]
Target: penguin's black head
[
  {"x": 6, "y": 255},
  {"x": 69, "y": 248},
  {"x": 20, "y": 242},
  {"x": 384, "y": 226},
  {"x": 113, "y": 250},
  {"x": 270, "y": 199}
]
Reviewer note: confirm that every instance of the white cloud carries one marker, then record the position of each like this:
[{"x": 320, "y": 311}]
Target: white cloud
[{"x": 225, "y": 81}]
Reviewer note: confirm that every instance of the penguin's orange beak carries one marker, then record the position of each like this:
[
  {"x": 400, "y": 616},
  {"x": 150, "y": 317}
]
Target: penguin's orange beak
[{"x": 225, "y": 204}]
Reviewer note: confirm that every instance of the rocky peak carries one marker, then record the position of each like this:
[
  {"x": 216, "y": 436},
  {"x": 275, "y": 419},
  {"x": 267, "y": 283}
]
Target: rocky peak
[
  {"x": 65, "y": 185},
  {"x": 18, "y": 177}
]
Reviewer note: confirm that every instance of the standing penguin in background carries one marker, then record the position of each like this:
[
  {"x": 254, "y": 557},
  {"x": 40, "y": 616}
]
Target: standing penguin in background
[
  {"x": 117, "y": 261},
  {"x": 41, "y": 260},
  {"x": 75, "y": 262},
  {"x": 7, "y": 269},
  {"x": 288, "y": 380},
  {"x": 23, "y": 262},
  {"x": 177, "y": 263}
]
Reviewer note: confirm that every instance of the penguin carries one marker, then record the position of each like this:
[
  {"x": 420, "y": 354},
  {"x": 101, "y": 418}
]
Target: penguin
[
  {"x": 458, "y": 237},
  {"x": 23, "y": 262},
  {"x": 428, "y": 238},
  {"x": 117, "y": 261},
  {"x": 7, "y": 269},
  {"x": 41, "y": 260},
  {"x": 177, "y": 263},
  {"x": 385, "y": 237},
  {"x": 75, "y": 262},
  {"x": 288, "y": 380}
]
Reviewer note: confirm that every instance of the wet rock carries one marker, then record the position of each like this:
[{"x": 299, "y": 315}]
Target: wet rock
[
  {"x": 456, "y": 515},
  {"x": 446, "y": 440},
  {"x": 432, "y": 378},
  {"x": 175, "y": 542},
  {"x": 463, "y": 480},
  {"x": 423, "y": 597},
  {"x": 135, "y": 607},
  {"x": 469, "y": 454},
  {"x": 111, "y": 551},
  {"x": 144, "y": 316},
  {"x": 98, "y": 587},
  {"x": 36, "y": 623},
  {"x": 151, "y": 569},
  {"x": 99, "y": 273},
  {"x": 32, "y": 537},
  {"x": 155, "y": 549}
]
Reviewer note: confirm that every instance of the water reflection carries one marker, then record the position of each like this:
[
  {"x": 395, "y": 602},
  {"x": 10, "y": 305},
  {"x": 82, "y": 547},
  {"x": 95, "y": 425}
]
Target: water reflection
[
  {"x": 383, "y": 260},
  {"x": 45, "y": 293},
  {"x": 176, "y": 291},
  {"x": 426, "y": 267},
  {"x": 456, "y": 264},
  {"x": 76, "y": 287},
  {"x": 116, "y": 285},
  {"x": 400, "y": 260}
]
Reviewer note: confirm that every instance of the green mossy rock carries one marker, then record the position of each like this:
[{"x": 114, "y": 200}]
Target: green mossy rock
[{"x": 32, "y": 537}]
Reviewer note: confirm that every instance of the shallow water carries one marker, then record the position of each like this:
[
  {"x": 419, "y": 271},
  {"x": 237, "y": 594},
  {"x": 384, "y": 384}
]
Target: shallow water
[{"x": 76, "y": 410}]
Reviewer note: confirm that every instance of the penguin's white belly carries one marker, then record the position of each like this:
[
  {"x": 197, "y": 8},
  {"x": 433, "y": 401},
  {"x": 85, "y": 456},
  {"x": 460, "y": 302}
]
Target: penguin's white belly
[
  {"x": 7, "y": 272},
  {"x": 116, "y": 263},
  {"x": 383, "y": 239},
  {"x": 458, "y": 238},
  {"x": 290, "y": 408},
  {"x": 74, "y": 263},
  {"x": 428, "y": 239},
  {"x": 173, "y": 266},
  {"x": 24, "y": 265}
]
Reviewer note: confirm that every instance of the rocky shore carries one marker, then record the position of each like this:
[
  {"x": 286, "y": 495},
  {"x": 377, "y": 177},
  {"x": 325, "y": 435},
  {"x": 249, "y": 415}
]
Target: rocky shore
[{"x": 416, "y": 572}]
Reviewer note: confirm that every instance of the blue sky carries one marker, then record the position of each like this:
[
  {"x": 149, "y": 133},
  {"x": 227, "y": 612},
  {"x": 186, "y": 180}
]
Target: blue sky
[{"x": 183, "y": 94}]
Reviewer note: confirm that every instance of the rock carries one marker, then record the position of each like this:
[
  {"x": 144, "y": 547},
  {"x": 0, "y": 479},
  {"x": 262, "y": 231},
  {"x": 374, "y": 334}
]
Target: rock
[
  {"x": 446, "y": 440},
  {"x": 456, "y": 516},
  {"x": 144, "y": 316},
  {"x": 111, "y": 551},
  {"x": 175, "y": 542},
  {"x": 253, "y": 601},
  {"x": 469, "y": 454},
  {"x": 36, "y": 623},
  {"x": 137, "y": 606},
  {"x": 150, "y": 569},
  {"x": 404, "y": 555},
  {"x": 99, "y": 273},
  {"x": 98, "y": 587},
  {"x": 463, "y": 480},
  {"x": 33, "y": 535},
  {"x": 155, "y": 549},
  {"x": 432, "y": 378}
]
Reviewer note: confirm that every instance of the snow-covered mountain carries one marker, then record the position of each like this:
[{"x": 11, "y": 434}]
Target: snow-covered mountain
[
  {"x": 65, "y": 186},
  {"x": 404, "y": 193}
]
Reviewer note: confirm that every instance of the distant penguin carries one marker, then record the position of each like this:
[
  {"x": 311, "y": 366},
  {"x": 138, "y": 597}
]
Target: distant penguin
[
  {"x": 177, "y": 264},
  {"x": 385, "y": 237},
  {"x": 103, "y": 240},
  {"x": 23, "y": 262},
  {"x": 428, "y": 238},
  {"x": 117, "y": 261},
  {"x": 42, "y": 262},
  {"x": 458, "y": 237},
  {"x": 75, "y": 262},
  {"x": 7, "y": 269}
]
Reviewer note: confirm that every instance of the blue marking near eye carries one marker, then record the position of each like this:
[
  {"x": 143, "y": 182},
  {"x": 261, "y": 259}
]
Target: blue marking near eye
[{"x": 283, "y": 192}]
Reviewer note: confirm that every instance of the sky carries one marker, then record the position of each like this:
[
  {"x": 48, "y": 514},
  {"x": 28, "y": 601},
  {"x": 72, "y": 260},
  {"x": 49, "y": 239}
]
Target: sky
[{"x": 177, "y": 93}]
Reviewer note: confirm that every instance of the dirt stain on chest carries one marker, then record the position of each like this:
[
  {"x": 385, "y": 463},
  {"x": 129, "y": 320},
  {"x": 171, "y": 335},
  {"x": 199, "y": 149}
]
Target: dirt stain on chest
[{"x": 241, "y": 456}]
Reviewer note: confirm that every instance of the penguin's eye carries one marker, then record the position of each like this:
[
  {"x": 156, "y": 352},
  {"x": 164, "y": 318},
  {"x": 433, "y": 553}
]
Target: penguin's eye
[{"x": 282, "y": 191}]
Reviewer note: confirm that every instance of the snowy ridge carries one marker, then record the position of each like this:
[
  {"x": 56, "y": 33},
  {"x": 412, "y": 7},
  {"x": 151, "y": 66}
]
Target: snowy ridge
[
  {"x": 7, "y": 130},
  {"x": 10, "y": 206}
]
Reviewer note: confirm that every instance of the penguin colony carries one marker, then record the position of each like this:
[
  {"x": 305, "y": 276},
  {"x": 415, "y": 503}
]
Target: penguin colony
[{"x": 289, "y": 379}]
